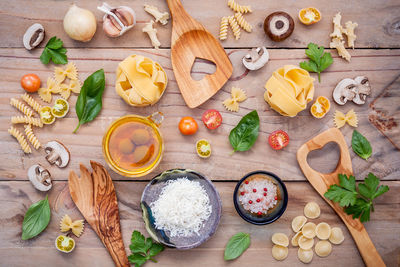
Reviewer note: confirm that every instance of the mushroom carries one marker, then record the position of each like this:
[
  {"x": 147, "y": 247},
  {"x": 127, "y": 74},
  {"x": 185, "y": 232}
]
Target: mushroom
[
  {"x": 355, "y": 90},
  {"x": 39, "y": 177},
  {"x": 33, "y": 36},
  {"x": 256, "y": 59},
  {"x": 278, "y": 26},
  {"x": 57, "y": 153},
  {"x": 362, "y": 90}
]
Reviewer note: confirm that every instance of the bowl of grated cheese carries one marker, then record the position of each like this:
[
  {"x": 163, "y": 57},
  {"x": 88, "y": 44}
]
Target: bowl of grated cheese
[{"x": 181, "y": 208}]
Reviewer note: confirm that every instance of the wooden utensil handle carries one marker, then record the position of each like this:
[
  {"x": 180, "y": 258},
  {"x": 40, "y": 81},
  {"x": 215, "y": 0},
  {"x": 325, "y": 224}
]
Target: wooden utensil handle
[{"x": 182, "y": 21}]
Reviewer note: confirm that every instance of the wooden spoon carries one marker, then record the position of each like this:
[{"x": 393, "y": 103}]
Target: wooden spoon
[
  {"x": 190, "y": 40},
  {"x": 321, "y": 182},
  {"x": 94, "y": 195}
]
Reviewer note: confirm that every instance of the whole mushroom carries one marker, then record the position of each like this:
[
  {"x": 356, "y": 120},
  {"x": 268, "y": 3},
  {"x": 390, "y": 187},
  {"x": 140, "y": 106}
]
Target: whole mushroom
[
  {"x": 256, "y": 59},
  {"x": 278, "y": 26},
  {"x": 39, "y": 177},
  {"x": 57, "y": 154}
]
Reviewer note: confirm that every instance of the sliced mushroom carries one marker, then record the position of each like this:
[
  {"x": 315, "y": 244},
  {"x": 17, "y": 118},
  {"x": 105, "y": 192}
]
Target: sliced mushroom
[
  {"x": 344, "y": 91},
  {"x": 33, "y": 36},
  {"x": 57, "y": 154},
  {"x": 256, "y": 59},
  {"x": 362, "y": 90},
  {"x": 39, "y": 177}
]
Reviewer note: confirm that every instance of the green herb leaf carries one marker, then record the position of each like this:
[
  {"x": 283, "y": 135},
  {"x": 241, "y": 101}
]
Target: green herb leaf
[
  {"x": 155, "y": 249},
  {"x": 236, "y": 245},
  {"x": 54, "y": 51},
  {"x": 346, "y": 193},
  {"x": 137, "y": 259},
  {"x": 143, "y": 249},
  {"x": 319, "y": 59},
  {"x": 245, "y": 134},
  {"x": 36, "y": 219},
  {"x": 89, "y": 102},
  {"x": 361, "y": 145},
  {"x": 361, "y": 209}
]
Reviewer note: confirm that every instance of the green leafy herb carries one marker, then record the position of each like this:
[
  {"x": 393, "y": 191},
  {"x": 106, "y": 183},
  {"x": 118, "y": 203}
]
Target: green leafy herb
[
  {"x": 143, "y": 249},
  {"x": 245, "y": 134},
  {"x": 36, "y": 219},
  {"x": 237, "y": 244},
  {"x": 89, "y": 102},
  {"x": 356, "y": 202},
  {"x": 319, "y": 60},
  {"x": 361, "y": 145},
  {"x": 54, "y": 51}
]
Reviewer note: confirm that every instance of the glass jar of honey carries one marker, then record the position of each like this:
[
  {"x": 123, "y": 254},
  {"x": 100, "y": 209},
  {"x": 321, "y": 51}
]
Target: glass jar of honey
[{"x": 133, "y": 145}]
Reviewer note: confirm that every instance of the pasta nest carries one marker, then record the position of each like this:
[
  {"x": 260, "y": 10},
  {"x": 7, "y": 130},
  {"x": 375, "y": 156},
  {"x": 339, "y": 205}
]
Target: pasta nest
[
  {"x": 140, "y": 81},
  {"x": 67, "y": 224}
]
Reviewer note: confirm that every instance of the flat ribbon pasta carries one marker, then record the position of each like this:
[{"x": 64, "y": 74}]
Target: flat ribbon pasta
[
  {"x": 52, "y": 86},
  {"x": 140, "y": 81},
  {"x": 340, "y": 118},
  {"x": 289, "y": 89},
  {"x": 232, "y": 103},
  {"x": 67, "y": 224},
  {"x": 70, "y": 71}
]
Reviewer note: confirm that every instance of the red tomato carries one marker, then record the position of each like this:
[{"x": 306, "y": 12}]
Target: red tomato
[
  {"x": 212, "y": 119},
  {"x": 188, "y": 126},
  {"x": 278, "y": 139},
  {"x": 30, "y": 82}
]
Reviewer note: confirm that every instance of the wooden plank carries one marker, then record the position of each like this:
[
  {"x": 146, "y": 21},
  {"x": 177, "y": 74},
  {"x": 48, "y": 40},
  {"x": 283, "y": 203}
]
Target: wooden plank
[
  {"x": 384, "y": 229},
  {"x": 380, "y": 66},
  {"x": 380, "y": 29}
]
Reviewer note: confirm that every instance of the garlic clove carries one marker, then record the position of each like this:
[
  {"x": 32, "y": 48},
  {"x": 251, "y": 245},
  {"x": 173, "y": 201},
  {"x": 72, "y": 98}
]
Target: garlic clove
[{"x": 117, "y": 20}]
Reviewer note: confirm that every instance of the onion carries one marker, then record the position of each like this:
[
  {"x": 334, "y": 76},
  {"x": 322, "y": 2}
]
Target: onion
[{"x": 79, "y": 24}]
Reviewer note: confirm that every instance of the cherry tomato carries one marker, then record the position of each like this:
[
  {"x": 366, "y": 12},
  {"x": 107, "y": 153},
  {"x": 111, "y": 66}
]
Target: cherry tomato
[
  {"x": 188, "y": 126},
  {"x": 278, "y": 139},
  {"x": 212, "y": 119},
  {"x": 30, "y": 82}
]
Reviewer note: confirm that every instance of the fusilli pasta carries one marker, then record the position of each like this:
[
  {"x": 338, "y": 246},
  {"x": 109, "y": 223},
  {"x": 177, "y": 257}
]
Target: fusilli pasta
[
  {"x": 32, "y": 137},
  {"x": 21, "y": 139},
  {"x": 31, "y": 102},
  {"x": 238, "y": 8},
  {"x": 223, "y": 30},
  {"x": 234, "y": 26},
  {"x": 242, "y": 22},
  {"x": 21, "y": 107},
  {"x": 28, "y": 120}
]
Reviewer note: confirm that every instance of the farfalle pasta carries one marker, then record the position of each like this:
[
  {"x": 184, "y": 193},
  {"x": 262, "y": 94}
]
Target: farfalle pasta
[
  {"x": 66, "y": 89},
  {"x": 232, "y": 103},
  {"x": 340, "y": 118},
  {"x": 52, "y": 87},
  {"x": 67, "y": 224},
  {"x": 70, "y": 72},
  {"x": 289, "y": 89},
  {"x": 140, "y": 81}
]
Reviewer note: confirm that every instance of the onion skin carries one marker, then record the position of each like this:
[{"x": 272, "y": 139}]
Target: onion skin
[{"x": 80, "y": 24}]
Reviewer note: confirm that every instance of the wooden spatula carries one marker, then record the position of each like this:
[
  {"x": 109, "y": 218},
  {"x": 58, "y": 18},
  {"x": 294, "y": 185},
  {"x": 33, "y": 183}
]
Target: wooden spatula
[
  {"x": 321, "y": 182},
  {"x": 94, "y": 195},
  {"x": 190, "y": 40}
]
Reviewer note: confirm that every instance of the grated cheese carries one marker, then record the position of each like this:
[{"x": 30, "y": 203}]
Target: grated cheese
[{"x": 182, "y": 208}]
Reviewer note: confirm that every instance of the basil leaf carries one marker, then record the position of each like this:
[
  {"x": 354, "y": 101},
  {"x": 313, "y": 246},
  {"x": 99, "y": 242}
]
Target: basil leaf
[
  {"x": 361, "y": 145},
  {"x": 237, "y": 244},
  {"x": 245, "y": 134},
  {"x": 36, "y": 219},
  {"x": 89, "y": 102}
]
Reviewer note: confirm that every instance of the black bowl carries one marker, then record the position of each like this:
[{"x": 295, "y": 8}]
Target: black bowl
[{"x": 272, "y": 215}]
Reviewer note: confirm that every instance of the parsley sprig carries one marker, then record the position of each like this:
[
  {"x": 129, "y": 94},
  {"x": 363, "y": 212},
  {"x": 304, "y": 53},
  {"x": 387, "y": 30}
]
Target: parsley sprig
[
  {"x": 143, "y": 249},
  {"x": 319, "y": 60},
  {"x": 356, "y": 202},
  {"x": 54, "y": 51}
]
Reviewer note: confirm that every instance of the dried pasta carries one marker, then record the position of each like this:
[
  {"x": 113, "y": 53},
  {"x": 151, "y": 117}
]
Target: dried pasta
[
  {"x": 70, "y": 72},
  {"x": 340, "y": 118},
  {"x": 232, "y": 103},
  {"x": 298, "y": 223},
  {"x": 235, "y": 27},
  {"x": 52, "y": 87},
  {"x": 21, "y": 139},
  {"x": 31, "y": 102},
  {"x": 32, "y": 137},
  {"x": 349, "y": 31},
  {"x": 148, "y": 28},
  {"x": 337, "y": 27},
  {"x": 159, "y": 16},
  {"x": 339, "y": 45},
  {"x": 66, "y": 89},
  {"x": 238, "y": 8},
  {"x": 295, "y": 239},
  {"x": 323, "y": 248},
  {"x": 223, "y": 29},
  {"x": 242, "y": 22},
  {"x": 312, "y": 210},
  {"x": 306, "y": 243},
  {"x": 21, "y": 107},
  {"x": 279, "y": 252},
  {"x": 323, "y": 231},
  {"x": 28, "y": 120},
  {"x": 67, "y": 224},
  {"x": 305, "y": 255},
  {"x": 336, "y": 236},
  {"x": 280, "y": 239},
  {"x": 308, "y": 230}
]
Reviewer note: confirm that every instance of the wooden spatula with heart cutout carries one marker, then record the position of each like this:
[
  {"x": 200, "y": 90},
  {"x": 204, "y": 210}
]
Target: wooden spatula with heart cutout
[
  {"x": 321, "y": 182},
  {"x": 190, "y": 40},
  {"x": 94, "y": 195}
]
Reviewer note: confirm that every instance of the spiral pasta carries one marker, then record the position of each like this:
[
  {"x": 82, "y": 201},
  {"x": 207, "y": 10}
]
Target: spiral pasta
[
  {"x": 242, "y": 22},
  {"x": 21, "y": 139},
  {"x": 21, "y": 107},
  {"x": 223, "y": 30},
  {"x": 234, "y": 26},
  {"x": 32, "y": 137},
  {"x": 31, "y": 102},
  {"x": 238, "y": 8},
  {"x": 28, "y": 120}
]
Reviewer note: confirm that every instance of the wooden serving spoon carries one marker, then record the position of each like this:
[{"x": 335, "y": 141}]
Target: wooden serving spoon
[
  {"x": 94, "y": 195},
  {"x": 190, "y": 40},
  {"x": 321, "y": 182}
]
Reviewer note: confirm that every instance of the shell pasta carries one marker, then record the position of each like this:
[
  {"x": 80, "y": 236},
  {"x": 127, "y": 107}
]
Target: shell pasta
[{"x": 21, "y": 139}]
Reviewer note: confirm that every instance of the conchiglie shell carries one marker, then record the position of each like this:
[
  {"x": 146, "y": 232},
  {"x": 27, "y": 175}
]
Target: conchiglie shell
[
  {"x": 308, "y": 230},
  {"x": 305, "y": 255},
  {"x": 306, "y": 243},
  {"x": 295, "y": 239},
  {"x": 279, "y": 252},
  {"x": 312, "y": 210},
  {"x": 280, "y": 239},
  {"x": 323, "y": 231},
  {"x": 323, "y": 248},
  {"x": 336, "y": 236},
  {"x": 298, "y": 222}
]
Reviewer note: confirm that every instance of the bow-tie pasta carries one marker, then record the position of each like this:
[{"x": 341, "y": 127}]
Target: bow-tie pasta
[{"x": 140, "y": 81}]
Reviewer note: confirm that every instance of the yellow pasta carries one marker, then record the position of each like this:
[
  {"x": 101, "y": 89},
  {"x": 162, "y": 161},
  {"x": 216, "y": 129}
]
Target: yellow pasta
[
  {"x": 70, "y": 71},
  {"x": 52, "y": 86},
  {"x": 28, "y": 120},
  {"x": 223, "y": 29},
  {"x": 21, "y": 139},
  {"x": 242, "y": 22},
  {"x": 280, "y": 239},
  {"x": 31, "y": 102},
  {"x": 340, "y": 118},
  {"x": 232, "y": 103},
  {"x": 21, "y": 107},
  {"x": 235, "y": 27},
  {"x": 279, "y": 252},
  {"x": 65, "y": 89},
  {"x": 67, "y": 224},
  {"x": 32, "y": 137},
  {"x": 238, "y": 8}
]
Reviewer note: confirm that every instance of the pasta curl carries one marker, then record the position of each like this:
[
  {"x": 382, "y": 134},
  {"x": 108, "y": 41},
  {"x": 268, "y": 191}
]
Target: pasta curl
[
  {"x": 235, "y": 27},
  {"x": 32, "y": 137},
  {"x": 242, "y": 22},
  {"x": 223, "y": 30},
  {"x": 238, "y": 8},
  {"x": 21, "y": 107},
  {"x": 28, "y": 120},
  {"x": 21, "y": 139},
  {"x": 31, "y": 102}
]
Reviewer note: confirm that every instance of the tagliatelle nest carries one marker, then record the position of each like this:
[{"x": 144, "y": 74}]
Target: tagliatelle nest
[
  {"x": 232, "y": 103},
  {"x": 67, "y": 224}
]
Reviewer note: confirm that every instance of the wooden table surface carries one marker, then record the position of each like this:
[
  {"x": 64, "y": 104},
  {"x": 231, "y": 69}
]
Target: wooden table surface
[{"x": 376, "y": 56}]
